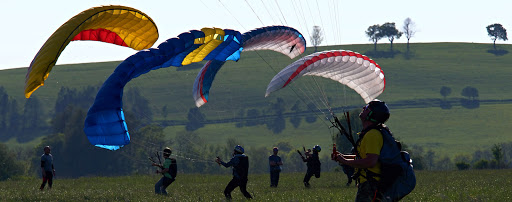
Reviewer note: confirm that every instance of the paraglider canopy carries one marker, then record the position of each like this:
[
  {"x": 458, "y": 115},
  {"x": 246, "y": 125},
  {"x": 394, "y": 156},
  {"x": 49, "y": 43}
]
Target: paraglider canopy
[
  {"x": 352, "y": 69},
  {"x": 118, "y": 25}
]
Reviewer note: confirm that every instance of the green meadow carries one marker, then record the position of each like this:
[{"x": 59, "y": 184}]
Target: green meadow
[
  {"x": 471, "y": 185},
  {"x": 412, "y": 90}
]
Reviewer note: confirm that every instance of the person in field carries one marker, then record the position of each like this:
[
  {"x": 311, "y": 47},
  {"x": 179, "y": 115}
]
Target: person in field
[
  {"x": 240, "y": 164},
  {"x": 369, "y": 145},
  {"x": 168, "y": 170},
  {"x": 47, "y": 168},
  {"x": 313, "y": 163},
  {"x": 275, "y": 164}
]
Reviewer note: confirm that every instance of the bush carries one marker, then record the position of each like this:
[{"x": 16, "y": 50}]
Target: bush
[
  {"x": 482, "y": 164},
  {"x": 462, "y": 165},
  {"x": 9, "y": 165}
]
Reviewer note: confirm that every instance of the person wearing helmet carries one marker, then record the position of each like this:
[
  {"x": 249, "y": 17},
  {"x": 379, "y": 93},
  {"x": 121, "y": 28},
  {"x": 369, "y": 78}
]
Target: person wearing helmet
[
  {"x": 47, "y": 168},
  {"x": 168, "y": 170},
  {"x": 240, "y": 164},
  {"x": 313, "y": 163},
  {"x": 275, "y": 164},
  {"x": 369, "y": 145}
]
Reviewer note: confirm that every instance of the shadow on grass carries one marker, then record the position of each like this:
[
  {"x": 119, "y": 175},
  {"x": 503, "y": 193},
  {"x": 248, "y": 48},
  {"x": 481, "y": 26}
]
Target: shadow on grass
[
  {"x": 382, "y": 54},
  {"x": 445, "y": 104},
  {"x": 498, "y": 52},
  {"x": 469, "y": 104}
]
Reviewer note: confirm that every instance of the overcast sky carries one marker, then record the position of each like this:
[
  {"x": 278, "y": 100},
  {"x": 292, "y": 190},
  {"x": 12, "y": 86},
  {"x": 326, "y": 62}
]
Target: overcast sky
[{"x": 26, "y": 25}]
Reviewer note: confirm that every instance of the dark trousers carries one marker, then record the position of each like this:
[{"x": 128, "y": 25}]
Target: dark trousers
[
  {"x": 48, "y": 178},
  {"x": 367, "y": 192},
  {"x": 235, "y": 182},
  {"x": 162, "y": 184},
  {"x": 309, "y": 174},
  {"x": 349, "y": 171},
  {"x": 274, "y": 178}
]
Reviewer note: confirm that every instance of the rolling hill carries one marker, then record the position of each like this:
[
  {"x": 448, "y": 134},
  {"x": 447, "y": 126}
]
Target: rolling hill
[{"x": 412, "y": 91}]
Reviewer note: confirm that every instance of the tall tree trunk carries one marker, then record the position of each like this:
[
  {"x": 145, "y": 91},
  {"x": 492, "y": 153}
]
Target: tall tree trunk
[
  {"x": 494, "y": 43},
  {"x": 375, "y": 46}
]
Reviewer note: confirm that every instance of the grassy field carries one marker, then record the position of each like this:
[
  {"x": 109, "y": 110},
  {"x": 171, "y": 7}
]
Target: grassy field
[
  {"x": 241, "y": 85},
  {"x": 475, "y": 185}
]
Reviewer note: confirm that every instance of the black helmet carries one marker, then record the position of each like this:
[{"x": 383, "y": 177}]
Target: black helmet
[
  {"x": 167, "y": 151},
  {"x": 379, "y": 111},
  {"x": 317, "y": 148},
  {"x": 239, "y": 149}
]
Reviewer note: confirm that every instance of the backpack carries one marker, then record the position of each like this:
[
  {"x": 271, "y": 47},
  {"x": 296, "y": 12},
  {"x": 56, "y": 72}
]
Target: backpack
[{"x": 397, "y": 174}]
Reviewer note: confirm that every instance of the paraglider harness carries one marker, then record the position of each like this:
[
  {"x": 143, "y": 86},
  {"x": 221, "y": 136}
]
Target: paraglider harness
[{"x": 397, "y": 178}]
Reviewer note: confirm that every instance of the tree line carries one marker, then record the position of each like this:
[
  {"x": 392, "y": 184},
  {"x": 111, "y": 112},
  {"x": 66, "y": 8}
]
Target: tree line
[
  {"x": 22, "y": 123},
  {"x": 388, "y": 30},
  {"x": 76, "y": 157}
]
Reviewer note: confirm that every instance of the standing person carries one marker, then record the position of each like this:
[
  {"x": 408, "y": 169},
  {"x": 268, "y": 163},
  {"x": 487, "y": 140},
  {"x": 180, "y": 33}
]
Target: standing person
[
  {"x": 313, "y": 164},
  {"x": 240, "y": 164},
  {"x": 168, "y": 170},
  {"x": 369, "y": 145},
  {"x": 275, "y": 164},
  {"x": 47, "y": 168}
]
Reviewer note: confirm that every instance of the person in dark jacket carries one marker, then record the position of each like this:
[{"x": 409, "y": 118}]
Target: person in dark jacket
[
  {"x": 313, "y": 164},
  {"x": 275, "y": 164},
  {"x": 168, "y": 170},
  {"x": 240, "y": 164}
]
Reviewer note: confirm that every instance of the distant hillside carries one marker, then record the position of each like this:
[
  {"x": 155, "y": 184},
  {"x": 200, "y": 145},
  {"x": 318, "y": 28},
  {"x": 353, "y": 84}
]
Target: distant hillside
[{"x": 413, "y": 86}]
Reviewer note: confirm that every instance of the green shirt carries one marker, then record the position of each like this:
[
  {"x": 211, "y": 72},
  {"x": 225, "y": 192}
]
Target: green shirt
[{"x": 171, "y": 165}]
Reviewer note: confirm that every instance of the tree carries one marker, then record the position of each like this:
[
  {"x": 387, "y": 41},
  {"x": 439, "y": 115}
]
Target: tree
[
  {"x": 284, "y": 146},
  {"x": 497, "y": 152},
  {"x": 4, "y": 108},
  {"x": 311, "y": 117},
  {"x": 10, "y": 166},
  {"x": 14, "y": 117},
  {"x": 409, "y": 30},
  {"x": 195, "y": 119},
  {"x": 65, "y": 97},
  {"x": 482, "y": 164},
  {"x": 317, "y": 36},
  {"x": 445, "y": 91},
  {"x": 470, "y": 92},
  {"x": 252, "y": 117},
  {"x": 497, "y": 31},
  {"x": 138, "y": 105},
  {"x": 389, "y": 30},
  {"x": 462, "y": 165},
  {"x": 296, "y": 119},
  {"x": 277, "y": 123},
  {"x": 165, "y": 112},
  {"x": 373, "y": 32},
  {"x": 240, "y": 117},
  {"x": 33, "y": 114}
]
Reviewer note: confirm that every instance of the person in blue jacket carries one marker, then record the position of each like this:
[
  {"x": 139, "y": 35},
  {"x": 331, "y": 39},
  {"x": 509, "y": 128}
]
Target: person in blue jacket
[
  {"x": 47, "y": 168},
  {"x": 275, "y": 164},
  {"x": 240, "y": 164}
]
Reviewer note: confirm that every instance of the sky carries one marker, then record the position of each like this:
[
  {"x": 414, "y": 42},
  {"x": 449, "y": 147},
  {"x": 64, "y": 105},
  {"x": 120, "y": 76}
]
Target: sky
[{"x": 26, "y": 25}]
